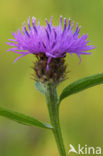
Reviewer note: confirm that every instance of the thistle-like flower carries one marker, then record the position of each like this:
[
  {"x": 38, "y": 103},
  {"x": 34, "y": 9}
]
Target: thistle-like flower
[{"x": 50, "y": 44}]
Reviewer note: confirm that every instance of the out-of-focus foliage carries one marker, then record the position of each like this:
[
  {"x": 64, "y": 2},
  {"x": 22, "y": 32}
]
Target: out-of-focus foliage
[{"x": 81, "y": 114}]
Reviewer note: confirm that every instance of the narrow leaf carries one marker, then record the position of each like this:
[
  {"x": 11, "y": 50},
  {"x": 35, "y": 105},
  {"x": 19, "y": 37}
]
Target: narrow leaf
[
  {"x": 23, "y": 119},
  {"x": 40, "y": 87},
  {"x": 82, "y": 84}
]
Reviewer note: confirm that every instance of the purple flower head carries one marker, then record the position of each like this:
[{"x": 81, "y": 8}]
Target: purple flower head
[
  {"x": 53, "y": 41},
  {"x": 50, "y": 44}
]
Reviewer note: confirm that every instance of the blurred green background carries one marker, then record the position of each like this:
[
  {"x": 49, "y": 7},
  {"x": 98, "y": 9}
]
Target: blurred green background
[{"x": 81, "y": 114}]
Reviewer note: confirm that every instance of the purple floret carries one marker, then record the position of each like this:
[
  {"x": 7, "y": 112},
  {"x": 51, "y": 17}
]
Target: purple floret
[{"x": 53, "y": 41}]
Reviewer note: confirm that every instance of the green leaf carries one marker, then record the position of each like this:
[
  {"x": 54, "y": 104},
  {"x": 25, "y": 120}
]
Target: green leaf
[
  {"x": 82, "y": 84},
  {"x": 40, "y": 87},
  {"x": 23, "y": 119}
]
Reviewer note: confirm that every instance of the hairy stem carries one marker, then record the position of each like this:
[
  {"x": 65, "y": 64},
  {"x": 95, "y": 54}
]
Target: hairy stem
[{"x": 52, "y": 103}]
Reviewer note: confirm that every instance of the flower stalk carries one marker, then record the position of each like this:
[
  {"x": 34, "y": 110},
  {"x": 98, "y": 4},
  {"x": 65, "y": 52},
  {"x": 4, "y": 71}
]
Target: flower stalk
[{"x": 53, "y": 108}]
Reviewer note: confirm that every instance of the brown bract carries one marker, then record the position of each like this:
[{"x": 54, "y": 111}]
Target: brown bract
[{"x": 55, "y": 73}]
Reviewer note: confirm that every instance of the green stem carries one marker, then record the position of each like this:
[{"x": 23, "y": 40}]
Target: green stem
[{"x": 53, "y": 108}]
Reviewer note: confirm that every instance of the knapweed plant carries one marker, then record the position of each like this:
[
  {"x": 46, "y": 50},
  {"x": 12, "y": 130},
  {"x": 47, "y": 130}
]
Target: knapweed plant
[{"x": 50, "y": 44}]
